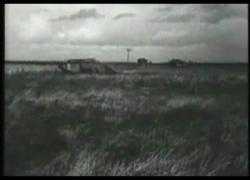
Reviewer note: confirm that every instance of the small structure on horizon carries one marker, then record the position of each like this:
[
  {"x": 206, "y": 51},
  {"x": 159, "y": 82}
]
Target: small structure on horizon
[
  {"x": 87, "y": 66},
  {"x": 177, "y": 63},
  {"x": 143, "y": 62},
  {"x": 128, "y": 51}
]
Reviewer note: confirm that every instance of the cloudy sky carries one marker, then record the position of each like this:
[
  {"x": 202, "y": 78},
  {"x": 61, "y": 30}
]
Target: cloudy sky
[{"x": 199, "y": 32}]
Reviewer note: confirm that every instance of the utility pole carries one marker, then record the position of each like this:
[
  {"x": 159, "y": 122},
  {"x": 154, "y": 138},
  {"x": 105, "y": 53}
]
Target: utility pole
[{"x": 128, "y": 51}]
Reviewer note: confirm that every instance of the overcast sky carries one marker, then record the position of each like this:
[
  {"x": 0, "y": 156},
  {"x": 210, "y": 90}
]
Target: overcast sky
[{"x": 159, "y": 32}]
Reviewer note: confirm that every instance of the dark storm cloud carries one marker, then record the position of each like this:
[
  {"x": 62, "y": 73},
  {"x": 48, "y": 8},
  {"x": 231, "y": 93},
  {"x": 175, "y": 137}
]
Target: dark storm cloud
[
  {"x": 124, "y": 15},
  {"x": 214, "y": 13},
  {"x": 81, "y": 14},
  {"x": 206, "y": 13},
  {"x": 195, "y": 31},
  {"x": 174, "y": 18}
]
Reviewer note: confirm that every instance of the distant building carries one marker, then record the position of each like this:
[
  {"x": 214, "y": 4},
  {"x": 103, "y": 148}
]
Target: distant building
[
  {"x": 177, "y": 63},
  {"x": 88, "y": 66},
  {"x": 142, "y": 61},
  {"x": 78, "y": 65}
]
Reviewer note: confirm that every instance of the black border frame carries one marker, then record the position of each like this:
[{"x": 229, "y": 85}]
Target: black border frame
[{"x": 2, "y": 44}]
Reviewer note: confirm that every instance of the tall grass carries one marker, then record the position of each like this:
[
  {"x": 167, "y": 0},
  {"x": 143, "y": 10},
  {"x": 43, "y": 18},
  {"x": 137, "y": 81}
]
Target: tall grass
[{"x": 161, "y": 121}]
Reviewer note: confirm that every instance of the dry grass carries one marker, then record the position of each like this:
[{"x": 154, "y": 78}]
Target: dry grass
[{"x": 158, "y": 121}]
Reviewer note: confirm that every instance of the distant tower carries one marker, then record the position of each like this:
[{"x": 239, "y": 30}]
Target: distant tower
[{"x": 128, "y": 51}]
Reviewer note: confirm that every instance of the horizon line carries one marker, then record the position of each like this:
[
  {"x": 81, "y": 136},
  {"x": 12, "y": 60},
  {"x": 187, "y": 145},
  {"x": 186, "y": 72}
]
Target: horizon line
[{"x": 159, "y": 62}]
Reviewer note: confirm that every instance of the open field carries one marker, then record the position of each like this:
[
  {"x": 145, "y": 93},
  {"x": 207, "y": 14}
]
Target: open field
[{"x": 147, "y": 121}]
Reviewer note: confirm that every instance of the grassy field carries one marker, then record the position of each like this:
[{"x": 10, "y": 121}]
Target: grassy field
[{"x": 154, "y": 121}]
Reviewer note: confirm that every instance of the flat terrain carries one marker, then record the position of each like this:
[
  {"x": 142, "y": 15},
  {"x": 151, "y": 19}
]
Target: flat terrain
[{"x": 157, "y": 120}]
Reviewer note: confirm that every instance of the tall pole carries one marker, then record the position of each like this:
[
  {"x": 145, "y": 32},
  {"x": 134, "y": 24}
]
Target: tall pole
[{"x": 128, "y": 51}]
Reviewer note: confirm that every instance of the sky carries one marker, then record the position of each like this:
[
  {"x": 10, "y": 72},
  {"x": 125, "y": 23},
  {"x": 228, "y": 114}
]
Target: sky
[{"x": 159, "y": 32}]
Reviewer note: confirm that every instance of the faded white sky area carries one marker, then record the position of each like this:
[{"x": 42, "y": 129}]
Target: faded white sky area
[{"x": 199, "y": 32}]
